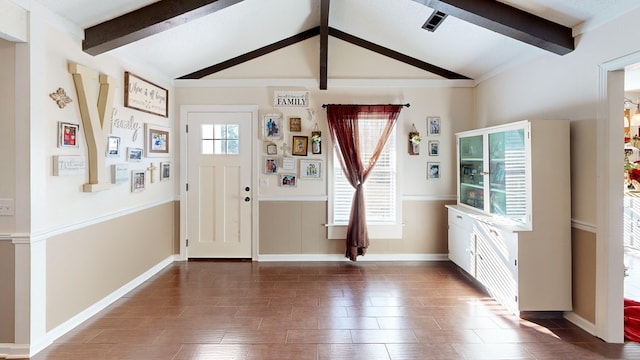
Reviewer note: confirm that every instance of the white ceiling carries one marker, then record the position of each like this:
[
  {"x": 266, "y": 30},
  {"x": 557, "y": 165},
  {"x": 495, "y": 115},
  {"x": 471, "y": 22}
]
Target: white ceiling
[{"x": 395, "y": 24}]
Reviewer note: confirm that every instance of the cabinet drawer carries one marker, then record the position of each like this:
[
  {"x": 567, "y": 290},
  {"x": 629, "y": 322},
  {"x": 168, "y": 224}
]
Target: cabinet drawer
[{"x": 456, "y": 218}]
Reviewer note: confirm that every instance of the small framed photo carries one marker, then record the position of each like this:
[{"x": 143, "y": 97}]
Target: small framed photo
[
  {"x": 165, "y": 171},
  {"x": 68, "y": 134},
  {"x": 310, "y": 169},
  {"x": 157, "y": 141},
  {"x": 433, "y": 170},
  {"x": 434, "y": 147},
  {"x": 433, "y": 125},
  {"x": 134, "y": 154},
  {"x": 272, "y": 127},
  {"x": 288, "y": 180},
  {"x": 271, "y": 165},
  {"x": 299, "y": 147},
  {"x": 272, "y": 149},
  {"x": 137, "y": 180},
  {"x": 113, "y": 146},
  {"x": 295, "y": 124}
]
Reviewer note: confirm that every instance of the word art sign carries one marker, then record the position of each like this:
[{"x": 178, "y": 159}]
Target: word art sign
[
  {"x": 119, "y": 173},
  {"x": 146, "y": 96},
  {"x": 121, "y": 122},
  {"x": 291, "y": 98},
  {"x": 69, "y": 165}
]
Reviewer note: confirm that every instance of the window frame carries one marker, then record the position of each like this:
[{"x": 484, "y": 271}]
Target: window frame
[{"x": 392, "y": 230}]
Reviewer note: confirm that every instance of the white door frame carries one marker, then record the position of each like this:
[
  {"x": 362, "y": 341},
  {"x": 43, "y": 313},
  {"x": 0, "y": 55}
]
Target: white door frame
[
  {"x": 184, "y": 116},
  {"x": 609, "y": 324}
]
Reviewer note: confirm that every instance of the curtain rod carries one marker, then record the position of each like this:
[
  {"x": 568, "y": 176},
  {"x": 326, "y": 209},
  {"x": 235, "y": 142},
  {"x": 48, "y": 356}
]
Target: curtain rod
[{"x": 405, "y": 105}]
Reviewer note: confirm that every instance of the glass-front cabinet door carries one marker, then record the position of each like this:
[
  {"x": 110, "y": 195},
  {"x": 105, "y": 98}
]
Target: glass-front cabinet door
[
  {"x": 471, "y": 152},
  {"x": 507, "y": 174},
  {"x": 493, "y": 171}
]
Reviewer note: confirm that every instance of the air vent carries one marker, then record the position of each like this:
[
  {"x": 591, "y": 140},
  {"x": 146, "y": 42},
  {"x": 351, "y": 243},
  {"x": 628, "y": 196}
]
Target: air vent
[{"x": 434, "y": 21}]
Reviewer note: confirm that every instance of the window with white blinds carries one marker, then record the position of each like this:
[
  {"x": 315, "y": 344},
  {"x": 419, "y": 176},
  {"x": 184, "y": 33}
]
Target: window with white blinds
[{"x": 380, "y": 188}]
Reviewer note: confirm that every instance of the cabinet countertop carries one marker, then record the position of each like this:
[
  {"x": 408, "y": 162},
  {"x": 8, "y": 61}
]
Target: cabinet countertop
[{"x": 501, "y": 222}]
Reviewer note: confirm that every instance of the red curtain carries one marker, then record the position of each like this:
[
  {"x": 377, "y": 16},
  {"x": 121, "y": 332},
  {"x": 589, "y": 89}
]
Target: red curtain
[{"x": 343, "y": 127}]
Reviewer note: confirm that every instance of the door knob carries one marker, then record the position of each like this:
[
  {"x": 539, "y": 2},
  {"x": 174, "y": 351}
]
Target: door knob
[
  {"x": 246, "y": 188},
  {"x": 247, "y": 199}
]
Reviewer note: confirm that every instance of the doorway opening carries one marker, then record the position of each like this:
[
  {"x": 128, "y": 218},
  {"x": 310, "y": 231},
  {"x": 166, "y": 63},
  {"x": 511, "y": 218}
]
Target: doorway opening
[{"x": 631, "y": 201}]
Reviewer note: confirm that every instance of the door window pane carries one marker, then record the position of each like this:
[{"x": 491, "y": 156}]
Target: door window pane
[{"x": 220, "y": 139}]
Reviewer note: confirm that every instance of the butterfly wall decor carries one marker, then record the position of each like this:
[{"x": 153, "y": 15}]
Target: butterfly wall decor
[{"x": 60, "y": 97}]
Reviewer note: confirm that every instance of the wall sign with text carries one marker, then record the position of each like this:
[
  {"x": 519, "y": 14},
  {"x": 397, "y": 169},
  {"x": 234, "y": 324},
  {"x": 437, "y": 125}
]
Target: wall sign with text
[
  {"x": 291, "y": 99},
  {"x": 146, "y": 96}
]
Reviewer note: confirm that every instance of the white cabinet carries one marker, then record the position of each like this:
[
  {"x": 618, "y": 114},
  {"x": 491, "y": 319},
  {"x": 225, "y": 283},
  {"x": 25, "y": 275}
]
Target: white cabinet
[
  {"x": 462, "y": 242},
  {"x": 511, "y": 226}
]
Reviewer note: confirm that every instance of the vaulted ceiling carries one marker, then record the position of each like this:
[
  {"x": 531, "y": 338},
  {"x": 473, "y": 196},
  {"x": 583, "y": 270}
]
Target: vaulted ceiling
[{"x": 193, "y": 39}]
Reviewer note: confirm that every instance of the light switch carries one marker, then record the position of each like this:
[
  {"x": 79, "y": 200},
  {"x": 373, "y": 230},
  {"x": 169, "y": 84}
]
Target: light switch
[{"x": 6, "y": 207}]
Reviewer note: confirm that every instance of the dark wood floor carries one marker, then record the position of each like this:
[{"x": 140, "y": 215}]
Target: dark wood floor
[{"x": 363, "y": 310}]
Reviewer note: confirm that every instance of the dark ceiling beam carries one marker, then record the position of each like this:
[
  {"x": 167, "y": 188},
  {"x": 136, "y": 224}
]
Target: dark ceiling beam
[
  {"x": 396, "y": 55},
  {"x": 147, "y": 21},
  {"x": 253, "y": 54},
  {"x": 324, "y": 43},
  {"x": 509, "y": 21}
]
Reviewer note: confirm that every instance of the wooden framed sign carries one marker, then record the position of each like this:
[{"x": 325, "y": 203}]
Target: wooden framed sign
[{"x": 144, "y": 95}]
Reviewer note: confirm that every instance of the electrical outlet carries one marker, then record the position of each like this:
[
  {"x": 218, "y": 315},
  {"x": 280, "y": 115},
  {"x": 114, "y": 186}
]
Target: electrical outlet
[{"x": 6, "y": 207}]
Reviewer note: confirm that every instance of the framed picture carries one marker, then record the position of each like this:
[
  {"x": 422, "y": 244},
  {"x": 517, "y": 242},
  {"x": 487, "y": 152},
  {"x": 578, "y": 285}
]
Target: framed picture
[
  {"x": 68, "y": 134},
  {"x": 288, "y": 180},
  {"x": 271, "y": 165},
  {"x": 157, "y": 141},
  {"x": 295, "y": 124},
  {"x": 272, "y": 149},
  {"x": 433, "y": 170},
  {"x": 433, "y": 125},
  {"x": 434, "y": 147},
  {"x": 299, "y": 147},
  {"x": 165, "y": 171},
  {"x": 310, "y": 169},
  {"x": 288, "y": 164},
  {"x": 113, "y": 146},
  {"x": 134, "y": 154},
  {"x": 137, "y": 180},
  {"x": 144, "y": 95},
  {"x": 272, "y": 126},
  {"x": 119, "y": 173}
]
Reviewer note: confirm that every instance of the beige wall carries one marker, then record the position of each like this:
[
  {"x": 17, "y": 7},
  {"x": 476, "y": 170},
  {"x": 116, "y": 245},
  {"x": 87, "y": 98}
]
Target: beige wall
[
  {"x": 584, "y": 274},
  {"x": 567, "y": 87},
  {"x": 297, "y": 227},
  {"x": 86, "y": 265},
  {"x": 424, "y": 231},
  {"x": 7, "y": 283},
  {"x": 7, "y": 126}
]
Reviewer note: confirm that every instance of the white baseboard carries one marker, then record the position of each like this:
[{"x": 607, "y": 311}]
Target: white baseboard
[
  {"x": 580, "y": 322},
  {"x": 70, "y": 324},
  {"x": 340, "y": 257},
  {"x": 14, "y": 351}
]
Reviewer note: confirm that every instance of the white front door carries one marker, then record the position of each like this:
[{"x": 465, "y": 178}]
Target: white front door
[{"x": 219, "y": 193}]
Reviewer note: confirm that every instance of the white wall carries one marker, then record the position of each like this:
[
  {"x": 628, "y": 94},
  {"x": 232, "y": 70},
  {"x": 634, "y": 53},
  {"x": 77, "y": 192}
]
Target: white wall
[
  {"x": 570, "y": 87},
  {"x": 60, "y": 200}
]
